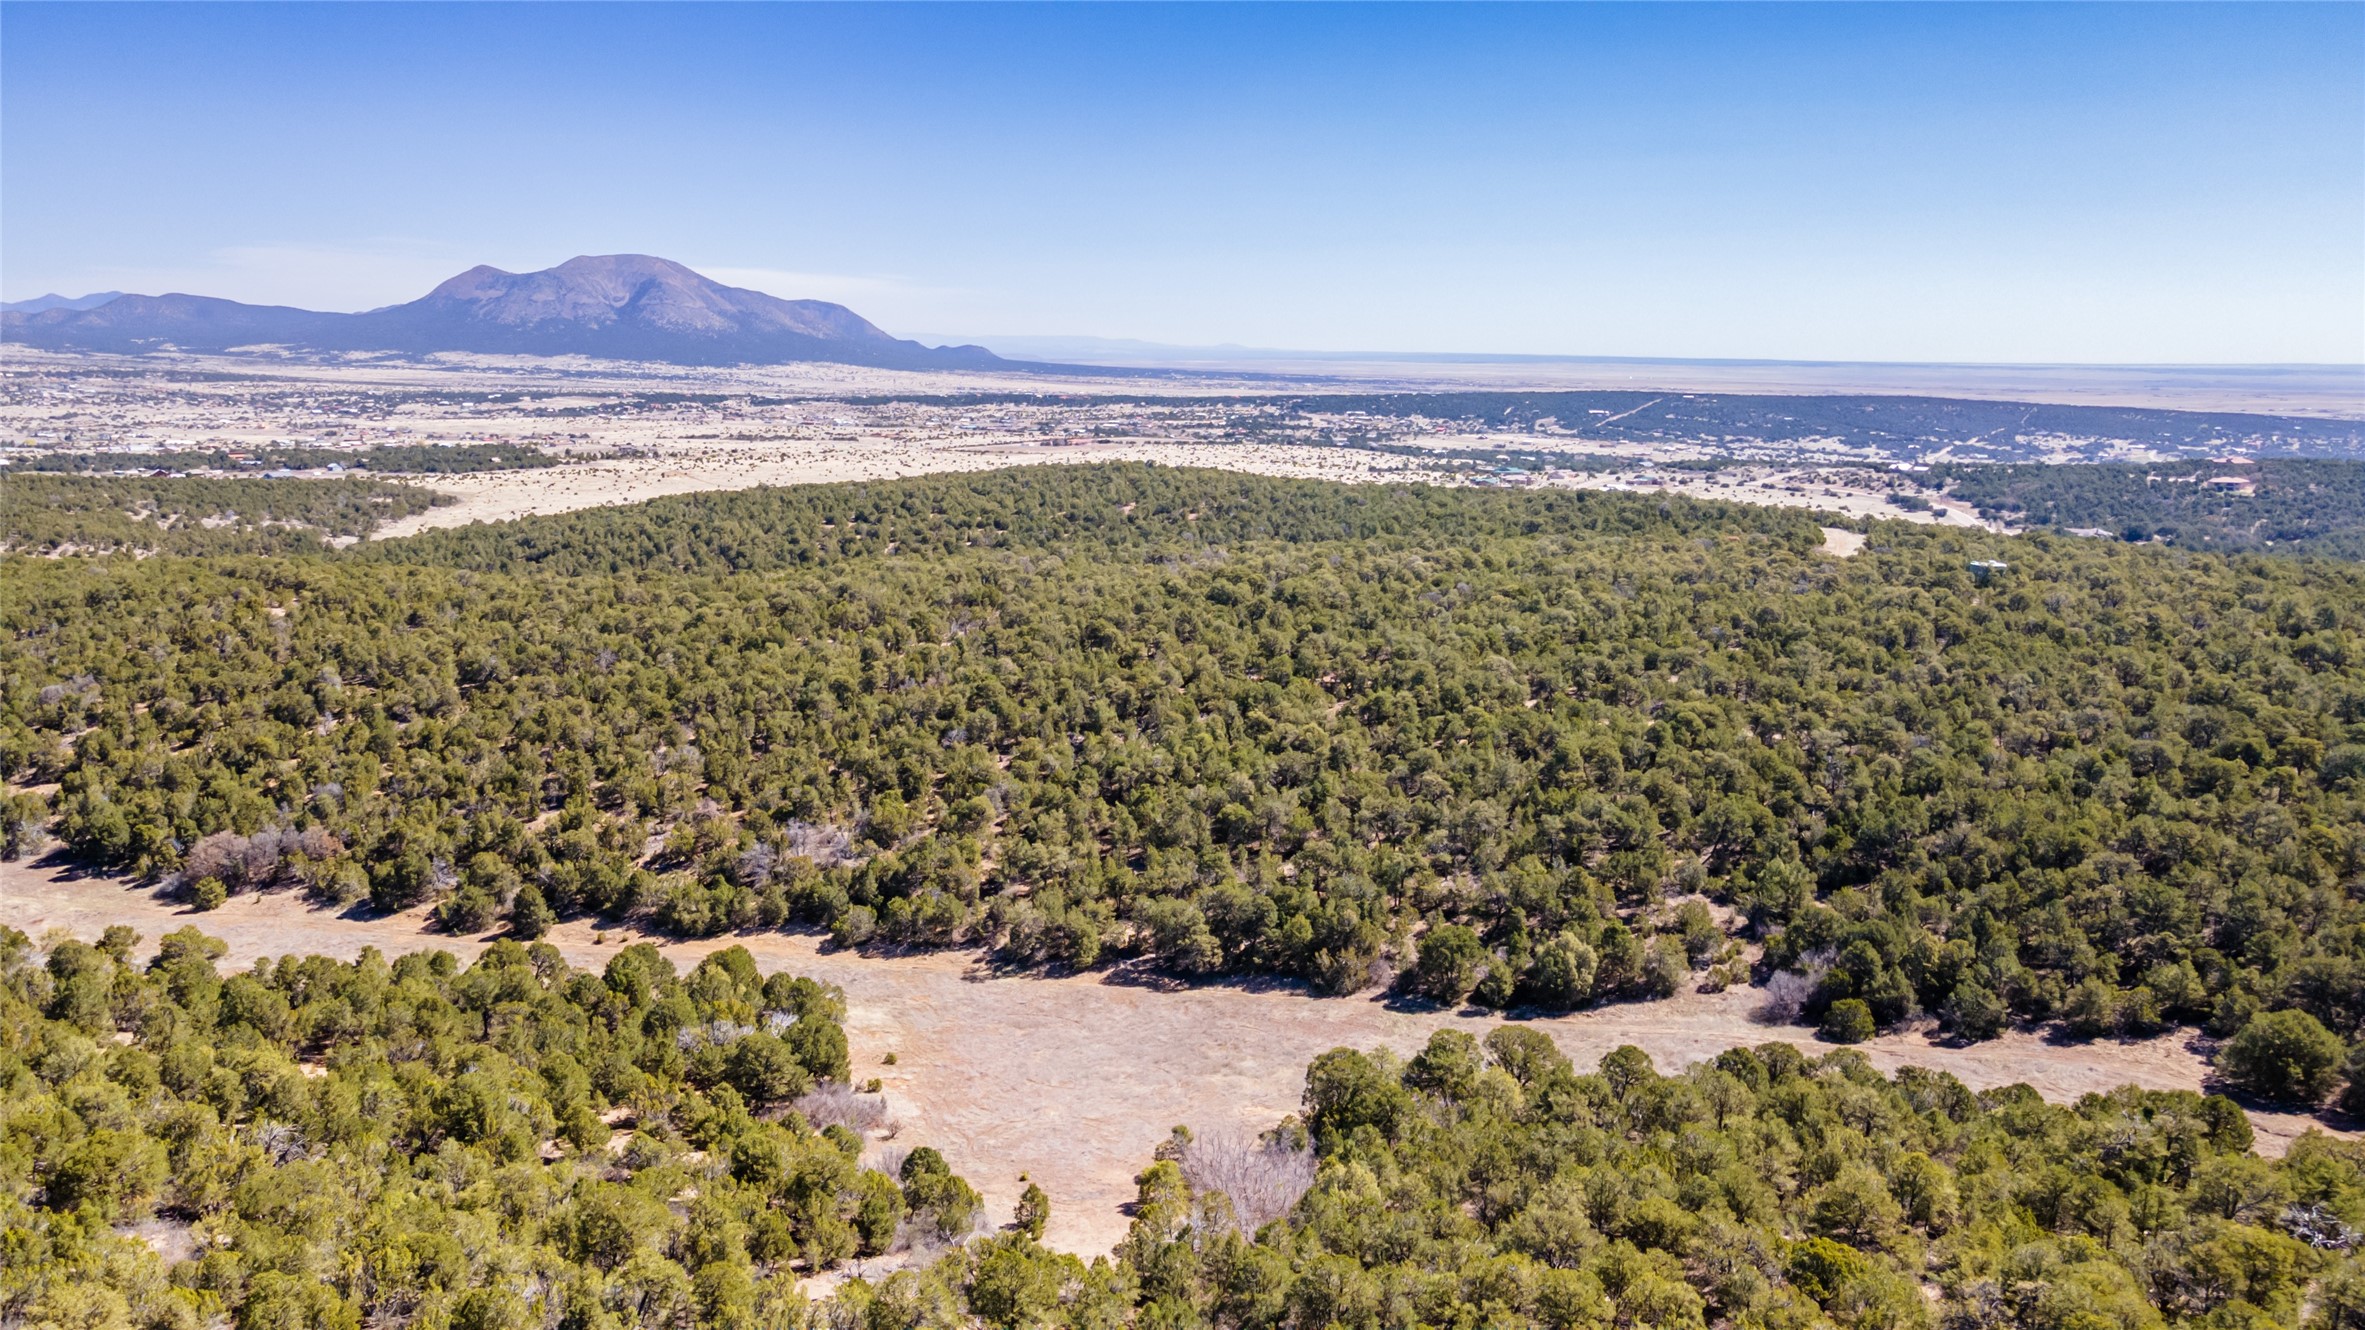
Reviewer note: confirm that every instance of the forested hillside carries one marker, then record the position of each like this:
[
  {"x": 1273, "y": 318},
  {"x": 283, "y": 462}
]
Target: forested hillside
[
  {"x": 1505, "y": 747},
  {"x": 1143, "y": 515},
  {"x": 2302, "y": 507},
  {"x": 50, "y": 514},
  {"x": 317, "y": 1145}
]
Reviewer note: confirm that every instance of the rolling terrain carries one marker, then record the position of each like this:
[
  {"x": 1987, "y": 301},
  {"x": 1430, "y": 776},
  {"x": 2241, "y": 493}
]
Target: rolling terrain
[{"x": 1632, "y": 910}]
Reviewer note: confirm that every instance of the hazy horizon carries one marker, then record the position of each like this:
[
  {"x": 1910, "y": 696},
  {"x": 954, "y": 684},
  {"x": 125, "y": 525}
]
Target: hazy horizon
[{"x": 1042, "y": 343}]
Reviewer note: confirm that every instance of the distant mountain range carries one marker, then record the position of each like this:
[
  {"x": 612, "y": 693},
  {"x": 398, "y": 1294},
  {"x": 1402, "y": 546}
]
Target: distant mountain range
[
  {"x": 613, "y": 306},
  {"x": 54, "y": 301}
]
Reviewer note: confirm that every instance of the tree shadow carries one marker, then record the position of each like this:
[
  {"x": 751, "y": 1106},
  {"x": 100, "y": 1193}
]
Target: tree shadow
[
  {"x": 1404, "y": 1002},
  {"x": 67, "y": 867}
]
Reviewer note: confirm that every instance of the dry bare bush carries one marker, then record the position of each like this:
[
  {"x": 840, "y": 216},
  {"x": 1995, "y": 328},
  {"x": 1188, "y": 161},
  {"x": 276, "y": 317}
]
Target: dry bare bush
[
  {"x": 754, "y": 866},
  {"x": 1786, "y": 993},
  {"x": 826, "y": 846},
  {"x": 1262, "y": 1179},
  {"x": 258, "y": 861},
  {"x": 919, "y": 1242},
  {"x": 834, "y": 1103},
  {"x": 282, "y": 1143}
]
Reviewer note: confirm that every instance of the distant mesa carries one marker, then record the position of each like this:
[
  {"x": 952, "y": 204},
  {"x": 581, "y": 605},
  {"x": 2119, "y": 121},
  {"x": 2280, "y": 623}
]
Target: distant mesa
[{"x": 609, "y": 306}]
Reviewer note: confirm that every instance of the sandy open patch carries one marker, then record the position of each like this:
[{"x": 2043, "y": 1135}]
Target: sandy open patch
[
  {"x": 1841, "y": 543},
  {"x": 673, "y": 467},
  {"x": 1073, "y": 1080},
  {"x": 688, "y": 468}
]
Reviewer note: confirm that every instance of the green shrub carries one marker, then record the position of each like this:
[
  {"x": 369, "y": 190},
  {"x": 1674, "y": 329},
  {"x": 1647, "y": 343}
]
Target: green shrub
[
  {"x": 1822, "y": 1267},
  {"x": 469, "y": 910},
  {"x": 2352, "y": 1090},
  {"x": 2286, "y": 1056},
  {"x": 530, "y": 916},
  {"x": 1448, "y": 966},
  {"x": 1976, "y": 1013},
  {"x": 2092, "y": 1011},
  {"x": 1848, "y": 1021},
  {"x": 1561, "y": 976},
  {"x": 1034, "y": 1211}
]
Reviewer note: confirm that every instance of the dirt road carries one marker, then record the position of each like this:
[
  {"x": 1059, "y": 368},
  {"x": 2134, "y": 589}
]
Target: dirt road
[{"x": 1074, "y": 1080}]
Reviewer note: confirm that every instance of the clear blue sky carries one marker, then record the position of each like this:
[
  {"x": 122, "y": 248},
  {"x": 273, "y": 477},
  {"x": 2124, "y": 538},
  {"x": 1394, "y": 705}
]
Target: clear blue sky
[{"x": 2167, "y": 183}]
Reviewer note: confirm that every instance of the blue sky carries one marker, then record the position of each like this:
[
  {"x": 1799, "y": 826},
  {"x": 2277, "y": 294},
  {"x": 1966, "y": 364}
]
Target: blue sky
[{"x": 2098, "y": 183}]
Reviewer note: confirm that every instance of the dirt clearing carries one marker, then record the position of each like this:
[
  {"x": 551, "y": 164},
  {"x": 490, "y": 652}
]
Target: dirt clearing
[
  {"x": 1841, "y": 543},
  {"x": 1074, "y": 1080}
]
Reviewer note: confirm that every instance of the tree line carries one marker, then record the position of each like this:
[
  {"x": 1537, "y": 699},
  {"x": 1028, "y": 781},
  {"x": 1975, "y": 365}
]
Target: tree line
[
  {"x": 2295, "y": 506},
  {"x": 397, "y": 458}
]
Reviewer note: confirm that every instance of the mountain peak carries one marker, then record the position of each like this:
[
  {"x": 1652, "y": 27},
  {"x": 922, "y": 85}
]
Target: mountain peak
[
  {"x": 633, "y": 291},
  {"x": 613, "y": 306},
  {"x": 629, "y": 265},
  {"x": 472, "y": 283}
]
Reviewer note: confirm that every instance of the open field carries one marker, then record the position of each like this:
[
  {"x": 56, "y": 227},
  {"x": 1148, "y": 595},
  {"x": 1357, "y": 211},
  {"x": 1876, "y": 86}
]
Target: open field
[
  {"x": 1073, "y": 1080},
  {"x": 692, "y": 468},
  {"x": 683, "y": 468}
]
